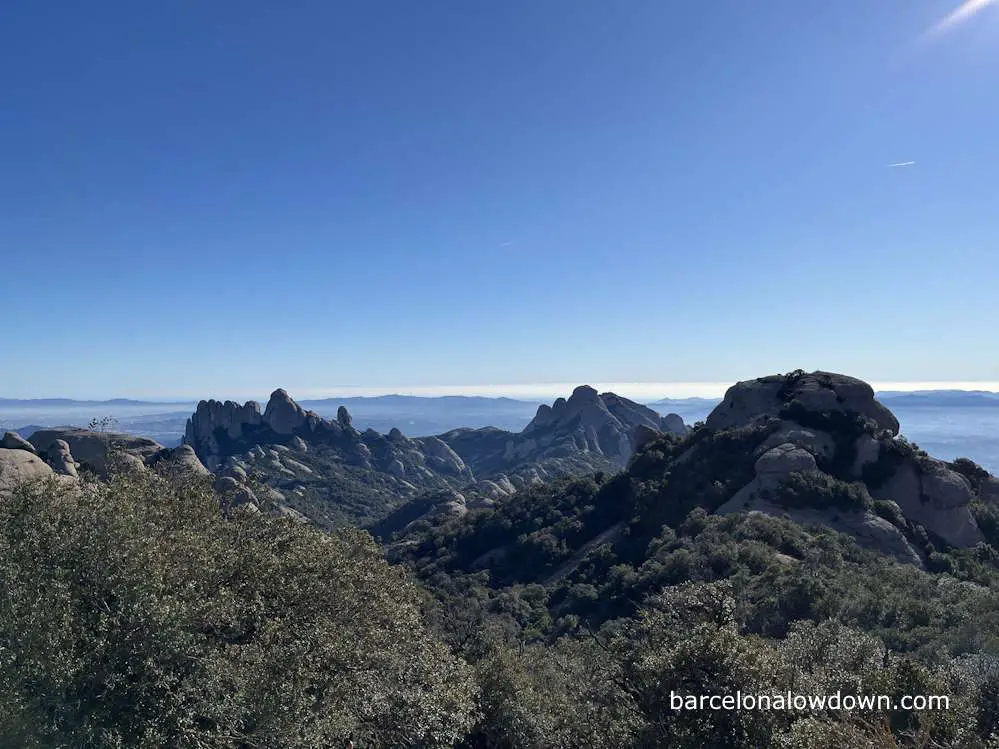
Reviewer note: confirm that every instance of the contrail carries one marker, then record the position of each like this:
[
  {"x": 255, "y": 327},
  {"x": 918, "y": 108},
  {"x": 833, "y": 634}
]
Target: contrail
[
  {"x": 902, "y": 163},
  {"x": 966, "y": 10}
]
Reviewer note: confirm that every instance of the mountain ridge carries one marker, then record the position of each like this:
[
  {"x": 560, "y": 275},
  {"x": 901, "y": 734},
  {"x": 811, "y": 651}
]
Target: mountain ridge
[{"x": 300, "y": 454}]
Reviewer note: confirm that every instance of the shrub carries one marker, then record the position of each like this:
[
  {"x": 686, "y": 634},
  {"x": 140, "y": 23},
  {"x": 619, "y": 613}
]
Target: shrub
[{"x": 135, "y": 615}]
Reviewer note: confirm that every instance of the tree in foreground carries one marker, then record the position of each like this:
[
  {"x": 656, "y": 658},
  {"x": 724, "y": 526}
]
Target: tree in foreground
[{"x": 134, "y": 614}]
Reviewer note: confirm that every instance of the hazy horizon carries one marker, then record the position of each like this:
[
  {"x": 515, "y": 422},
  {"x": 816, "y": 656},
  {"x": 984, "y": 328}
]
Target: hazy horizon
[{"x": 639, "y": 391}]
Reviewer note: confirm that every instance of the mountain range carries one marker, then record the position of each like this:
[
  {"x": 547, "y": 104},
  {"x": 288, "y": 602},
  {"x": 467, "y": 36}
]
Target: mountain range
[{"x": 330, "y": 471}]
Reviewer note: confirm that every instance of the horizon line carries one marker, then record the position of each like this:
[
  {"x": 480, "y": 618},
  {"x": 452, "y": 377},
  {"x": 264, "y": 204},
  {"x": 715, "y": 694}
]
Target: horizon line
[{"x": 647, "y": 391}]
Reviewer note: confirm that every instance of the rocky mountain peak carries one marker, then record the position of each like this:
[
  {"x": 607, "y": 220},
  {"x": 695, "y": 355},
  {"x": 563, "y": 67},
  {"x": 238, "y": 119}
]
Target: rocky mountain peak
[
  {"x": 283, "y": 414},
  {"x": 823, "y": 430},
  {"x": 343, "y": 417},
  {"x": 584, "y": 393},
  {"x": 756, "y": 401}
]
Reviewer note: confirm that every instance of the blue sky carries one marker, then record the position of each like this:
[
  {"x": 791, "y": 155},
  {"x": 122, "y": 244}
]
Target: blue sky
[{"x": 220, "y": 198}]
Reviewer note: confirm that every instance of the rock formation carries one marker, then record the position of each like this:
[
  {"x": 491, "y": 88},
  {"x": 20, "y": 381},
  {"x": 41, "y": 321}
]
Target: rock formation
[
  {"x": 584, "y": 433},
  {"x": 830, "y": 424},
  {"x": 18, "y": 466},
  {"x": 213, "y": 416},
  {"x": 61, "y": 459},
  {"x": 90, "y": 449},
  {"x": 343, "y": 417},
  {"x": 183, "y": 458},
  {"x": 14, "y": 441},
  {"x": 755, "y": 401},
  {"x": 581, "y": 434},
  {"x": 282, "y": 414}
]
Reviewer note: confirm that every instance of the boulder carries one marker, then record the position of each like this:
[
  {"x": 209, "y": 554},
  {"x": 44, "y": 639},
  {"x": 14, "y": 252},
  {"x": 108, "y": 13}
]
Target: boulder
[
  {"x": 644, "y": 435},
  {"x": 445, "y": 458},
  {"x": 90, "y": 449},
  {"x": 295, "y": 465},
  {"x": 504, "y": 483},
  {"x": 775, "y": 464},
  {"x": 244, "y": 497},
  {"x": 673, "y": 424},
  {"x": 283, "y": 414},
  {"x": 815, "y": 441},
  {"x": 343, "y": 417},
  {"x": 235, "y": 471},
  {"x": 935, "y": 497},
  {"x": 226, "y": 485},
  {"x": 234, "y": 493},
  {"x": 14, "y": 441},
  {"x": 183, "y": 458},
  {"x": 18, "y": 466},
  {"x": 61, "y": 459},
  {"x": 755, "y": 401}
]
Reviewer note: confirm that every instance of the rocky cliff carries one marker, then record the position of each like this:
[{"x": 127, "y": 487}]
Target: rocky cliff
[
  {"x": 820, "y": 449},
  {"x": 599, "y": 429},
  {"x": 817, "y": 449},
  {"x": 69, "y": 453},
  {"x": 587, "y": 433},
  {"x": 330, "y": 471}
]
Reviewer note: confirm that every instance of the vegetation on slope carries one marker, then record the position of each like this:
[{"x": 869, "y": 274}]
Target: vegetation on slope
[{"x": 135, "y": 615}]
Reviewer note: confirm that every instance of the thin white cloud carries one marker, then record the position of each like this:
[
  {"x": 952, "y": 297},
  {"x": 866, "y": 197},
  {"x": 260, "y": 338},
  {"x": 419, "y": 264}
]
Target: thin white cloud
[
  {"x": 901, "y": 163},
  {"x": 961, "y": 14}
]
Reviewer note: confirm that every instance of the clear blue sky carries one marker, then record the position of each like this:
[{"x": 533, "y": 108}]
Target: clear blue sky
[{"x": 223, "y": 197}]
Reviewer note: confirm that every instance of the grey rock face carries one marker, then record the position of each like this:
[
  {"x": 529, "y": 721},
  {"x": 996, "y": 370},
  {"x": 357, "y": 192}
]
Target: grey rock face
[
  {"x": 588, "y": 422},
  {"x": 935, "y": 497},
  {"x": 61, "y": 459},
  {"x": 18, "y": 466},
  {"x": 224, "y": 484},
  {"x": 212, "y": 415},
  {"x": 775, "y": 464},
  {"x": 183, "y": 458},
  {"x": 14, "y": 441},
  {"x": 989, "y": 490},
  {"x": 869, "y": 530},
  {"x": 946, "y": 489},
  {"x": 868, "y": 450},
  {"x": 755, "y": 401},
  {"x": 673, "y": 423},
  {"x": 90, "y": 449},
  {"x": 818, "y": 443},
  {"x": 343, "y": 417},
  {"x": 441, "y": 454},
  {"x": 234, "y": 493},
  {"x": 282, "y": 414},
  {"x": 644, "y": 435}
]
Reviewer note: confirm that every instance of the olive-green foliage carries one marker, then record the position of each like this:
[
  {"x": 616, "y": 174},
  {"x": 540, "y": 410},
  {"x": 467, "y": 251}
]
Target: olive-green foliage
[
  {"x": 135, "y": 615},
  {"x": 614, "y": 688},
  {"x": 559, "y": 697},
  {"x": 820, "y": 490}
]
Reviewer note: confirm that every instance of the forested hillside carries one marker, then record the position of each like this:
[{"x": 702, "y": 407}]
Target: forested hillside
[{"x": 792, "y": 544}]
